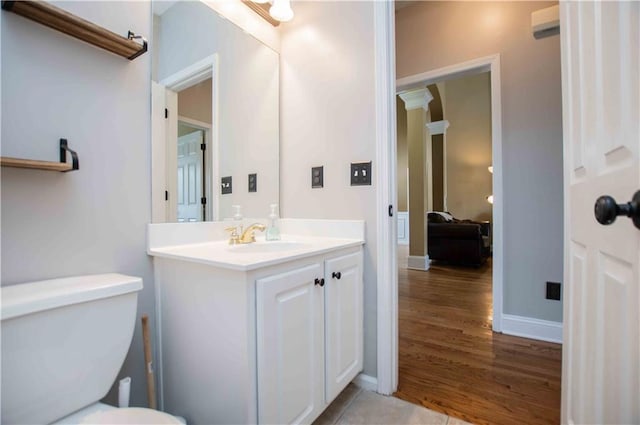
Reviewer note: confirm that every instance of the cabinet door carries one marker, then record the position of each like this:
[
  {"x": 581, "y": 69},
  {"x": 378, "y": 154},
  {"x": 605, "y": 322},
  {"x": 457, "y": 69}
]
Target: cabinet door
[
  {"x": 343, "y": 321},
  {"x": 290, "y": 330}
]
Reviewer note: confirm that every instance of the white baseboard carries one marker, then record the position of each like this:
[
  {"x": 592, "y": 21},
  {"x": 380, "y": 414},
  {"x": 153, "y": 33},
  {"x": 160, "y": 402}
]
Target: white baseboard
[
  {"x": 366, "y": 382},
  {"x": 529, "y": 327},
  {"x": 418, "y": 262}
]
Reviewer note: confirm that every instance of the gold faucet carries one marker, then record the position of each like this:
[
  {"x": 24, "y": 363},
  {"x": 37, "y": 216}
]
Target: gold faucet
[{"x": 245, "y": 237}]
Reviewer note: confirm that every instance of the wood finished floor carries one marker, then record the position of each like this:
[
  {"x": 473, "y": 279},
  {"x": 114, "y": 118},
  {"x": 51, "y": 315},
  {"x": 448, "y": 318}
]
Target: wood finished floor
[{"x": 451, "y": 362}]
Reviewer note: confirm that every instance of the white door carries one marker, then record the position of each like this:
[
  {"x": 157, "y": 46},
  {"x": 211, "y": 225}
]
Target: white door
[
  {"x": 189, "y": 178},
  {"x": 601, "y": 119},
  {"x": 343, "y": 322},
  {"x": 290, "y": 333}
]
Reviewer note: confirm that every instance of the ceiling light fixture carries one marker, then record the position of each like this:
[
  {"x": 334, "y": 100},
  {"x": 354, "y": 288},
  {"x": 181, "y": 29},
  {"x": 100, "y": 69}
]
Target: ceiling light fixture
[{"x": 281, "y": 10}]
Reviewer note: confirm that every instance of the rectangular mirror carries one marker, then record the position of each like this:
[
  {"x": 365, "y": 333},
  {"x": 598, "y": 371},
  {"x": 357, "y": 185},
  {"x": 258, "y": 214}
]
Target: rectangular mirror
[{"x": 215, "y": 116}]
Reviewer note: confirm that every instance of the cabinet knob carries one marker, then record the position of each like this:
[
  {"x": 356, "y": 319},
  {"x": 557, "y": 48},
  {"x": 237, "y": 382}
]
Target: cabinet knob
[
  {"x": 319, "y": 282},
  {"x": 336, "y": 275}
]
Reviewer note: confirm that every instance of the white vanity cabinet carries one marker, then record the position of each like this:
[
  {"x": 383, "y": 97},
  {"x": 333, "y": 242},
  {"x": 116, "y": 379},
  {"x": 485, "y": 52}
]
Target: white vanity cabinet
[
  {"x": 309, "y": 332},
  {"x": 274, "y": 344}
]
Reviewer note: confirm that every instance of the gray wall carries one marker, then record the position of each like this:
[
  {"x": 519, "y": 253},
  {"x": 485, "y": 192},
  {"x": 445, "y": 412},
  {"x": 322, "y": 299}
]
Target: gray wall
[
  {"x": 92, "y": 220},
  {"x": 430, "y": 35},
  {"x": 328, "y": 118}
]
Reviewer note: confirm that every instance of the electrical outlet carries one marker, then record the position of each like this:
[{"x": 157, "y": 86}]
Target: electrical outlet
[
  {"x": 317, "y": 177},
  {"x": 553, "y": 291},
  {"x": 253, "y": 182},
  {"x": 226, "y": 185},
  {"x": 361, "y": 173}
]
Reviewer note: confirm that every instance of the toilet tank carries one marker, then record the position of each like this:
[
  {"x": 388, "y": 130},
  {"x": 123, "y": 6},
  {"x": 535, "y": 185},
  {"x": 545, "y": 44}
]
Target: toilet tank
[{"x": 63, "y": 343}]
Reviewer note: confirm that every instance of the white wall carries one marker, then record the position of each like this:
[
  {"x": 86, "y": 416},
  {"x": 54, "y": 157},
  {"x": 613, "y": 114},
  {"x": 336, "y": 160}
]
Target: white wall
[
  {"x": 248, "y": 90},
  {"x": 92, "y": 220},
  {"x": 434, "y": 34},
  {"x": 328, "y": 118}
]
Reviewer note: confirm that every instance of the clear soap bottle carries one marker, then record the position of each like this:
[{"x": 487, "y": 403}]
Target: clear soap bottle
[
  {"x": 273, "y": 232},
  {"x": 237, "y": 216}
]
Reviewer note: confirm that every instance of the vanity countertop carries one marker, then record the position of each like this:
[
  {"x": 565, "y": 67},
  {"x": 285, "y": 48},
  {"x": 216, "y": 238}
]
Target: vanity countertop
[{"x": 254, "y": 255}]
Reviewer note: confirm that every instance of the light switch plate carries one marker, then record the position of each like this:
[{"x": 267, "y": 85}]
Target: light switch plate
[
  {"x": 253, "y": 182},
  {"x": 317, "y": 177},
  {"x": 361, "y": 173},
  {"x": 226, "y": 185}
]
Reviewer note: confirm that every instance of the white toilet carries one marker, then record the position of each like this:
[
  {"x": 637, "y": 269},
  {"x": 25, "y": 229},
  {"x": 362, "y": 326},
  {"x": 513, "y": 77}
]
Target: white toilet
[{"x": 63, "y": 343}]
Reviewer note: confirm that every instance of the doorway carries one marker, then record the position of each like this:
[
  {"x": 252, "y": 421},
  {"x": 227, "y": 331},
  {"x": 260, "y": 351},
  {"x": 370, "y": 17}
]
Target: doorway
[
  {"x": 185, "y": 148},
  {"x": 490, "y": 65},
  {"x": 191, "y": 170}
]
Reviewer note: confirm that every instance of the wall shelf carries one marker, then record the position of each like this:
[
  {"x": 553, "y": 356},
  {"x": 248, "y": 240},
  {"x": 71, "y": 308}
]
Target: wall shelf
[
  {"x": 62, "y": 166},
  {"x": 63, "y": 21}
]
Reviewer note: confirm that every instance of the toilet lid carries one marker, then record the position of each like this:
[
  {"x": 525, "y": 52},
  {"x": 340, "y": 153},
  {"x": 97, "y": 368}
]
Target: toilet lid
[{"x": 130, "y": 416}]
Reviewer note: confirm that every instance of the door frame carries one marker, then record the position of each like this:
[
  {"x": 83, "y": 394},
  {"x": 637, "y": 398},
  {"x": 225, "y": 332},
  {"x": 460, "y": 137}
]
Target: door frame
[
  {"x": 178, "y": 81},
  {"x": 386, "y": 200},
  {"x": 489, "y": 64},
  {"x": 387, "y": 339}
]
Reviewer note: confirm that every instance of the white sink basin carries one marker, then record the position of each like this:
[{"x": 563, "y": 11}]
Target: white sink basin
[{"x": 266, "y": 247}]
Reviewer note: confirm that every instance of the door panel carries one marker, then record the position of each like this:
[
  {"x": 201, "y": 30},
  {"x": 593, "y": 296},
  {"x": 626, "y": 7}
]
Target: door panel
[
  {"x": 190, "y": 176},
  {"x": 343, "y": 318},
  {"x": 601, "y": 116},
  {"x": 290, "y": 346}
]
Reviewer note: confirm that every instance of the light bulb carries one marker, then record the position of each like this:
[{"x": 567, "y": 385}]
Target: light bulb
[
  {"x": 490, "y": 168},
  {"x": 281, "y": 10},
  {"x": 490, "y": 199}
]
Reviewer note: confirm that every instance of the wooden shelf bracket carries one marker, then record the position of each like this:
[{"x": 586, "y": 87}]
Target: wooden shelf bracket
[
  {"x": 64, "y": 148},
  {"x": 63, "y": 166}
]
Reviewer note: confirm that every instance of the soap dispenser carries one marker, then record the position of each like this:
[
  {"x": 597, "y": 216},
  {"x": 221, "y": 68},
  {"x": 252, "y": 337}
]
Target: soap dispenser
[
  {"x": 237, "y": 216},
  {"x": 273, "y": 232}
]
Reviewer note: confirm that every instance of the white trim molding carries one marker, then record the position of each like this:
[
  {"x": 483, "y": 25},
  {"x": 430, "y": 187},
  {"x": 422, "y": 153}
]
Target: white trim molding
[
  {"x": 403, "y": 227},
  {"x": 438, "y": 127},
  {"x": 386, "y": 197},
  {"x": 530, "y": 327},
  {"x": 191, "y": 75},
  {"x": 418, "y": 262},
  {"x": 416, "y": 99},
  {"x": 366, "y": 382}
]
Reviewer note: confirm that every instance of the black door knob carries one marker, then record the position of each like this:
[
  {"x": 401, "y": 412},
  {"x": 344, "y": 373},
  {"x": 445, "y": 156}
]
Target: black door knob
[
  {"x": 336, "y": 275},
  {"x": 607, "y": 209},
  {"x": 319, "y": 282}
]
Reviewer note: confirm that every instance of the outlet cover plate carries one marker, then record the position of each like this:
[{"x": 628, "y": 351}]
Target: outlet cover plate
[
  {"x": 253, "y": 182},
  {"x": 317, "y": 177},
  {"x": 553, "y": 291},
  {"x": 361, "y": 173},
  {"x": 226, "y": 185}
]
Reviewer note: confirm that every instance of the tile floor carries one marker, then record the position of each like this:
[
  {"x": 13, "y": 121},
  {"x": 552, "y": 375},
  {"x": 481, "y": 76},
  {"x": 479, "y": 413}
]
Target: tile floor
[{"x": 359, "y": 407}]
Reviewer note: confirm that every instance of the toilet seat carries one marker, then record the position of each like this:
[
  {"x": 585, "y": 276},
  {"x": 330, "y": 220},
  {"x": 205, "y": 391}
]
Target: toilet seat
[{"x": 130, "y": 416}]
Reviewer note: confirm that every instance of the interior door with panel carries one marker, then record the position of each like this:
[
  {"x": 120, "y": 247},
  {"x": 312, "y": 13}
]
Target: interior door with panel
[
  {"x": 290, "y": 346},
  {"x": 343, "y": 322},
  {"x": 189, "y": 175},
  {"x": 601, "y": 121}
]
